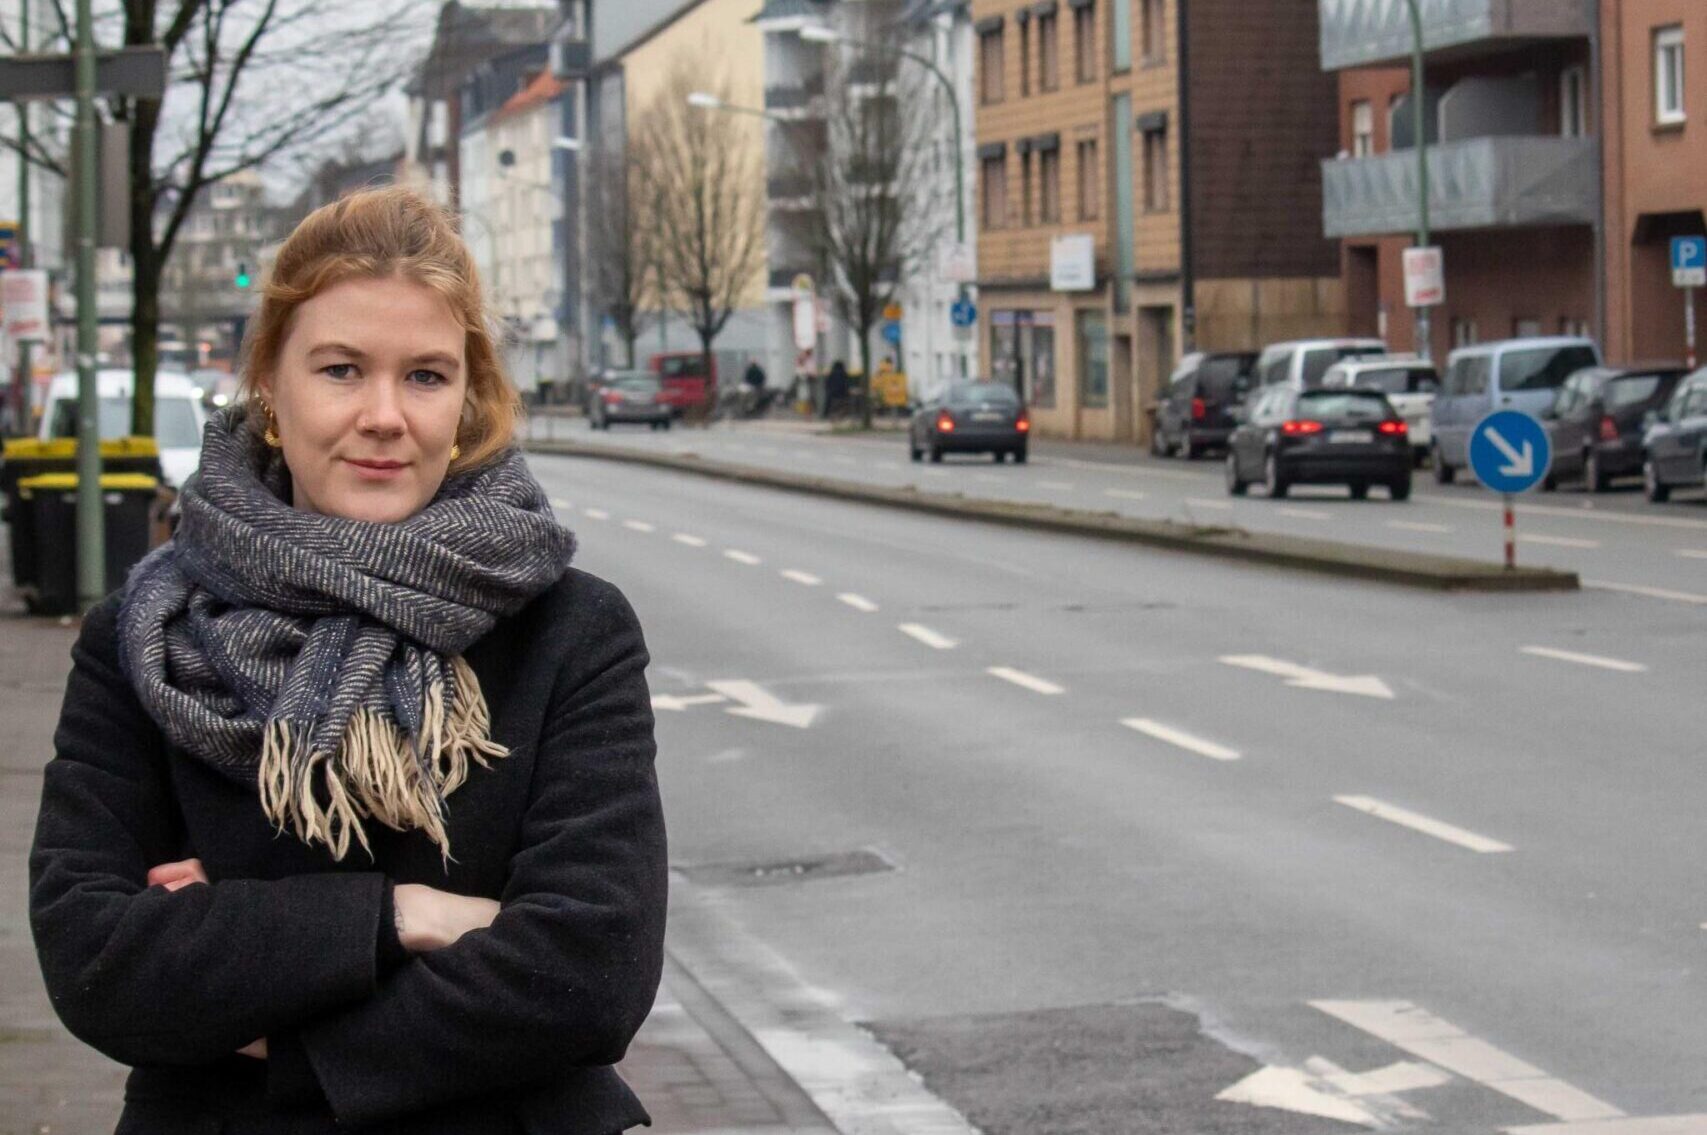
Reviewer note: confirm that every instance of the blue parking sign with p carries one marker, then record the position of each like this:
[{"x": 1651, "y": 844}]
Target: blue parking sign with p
[{"x": 1689, "y": 261}]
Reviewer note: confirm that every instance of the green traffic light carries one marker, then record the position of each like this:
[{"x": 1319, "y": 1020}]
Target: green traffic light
[{"x": 242, "y": 275}]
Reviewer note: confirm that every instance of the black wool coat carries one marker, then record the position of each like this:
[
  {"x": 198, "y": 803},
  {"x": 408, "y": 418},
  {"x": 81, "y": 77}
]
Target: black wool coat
[{"x": 512, "y": 1029}]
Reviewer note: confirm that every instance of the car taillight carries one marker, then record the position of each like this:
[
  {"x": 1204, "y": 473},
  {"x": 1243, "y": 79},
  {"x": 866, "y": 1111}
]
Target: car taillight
[
  {"x": 612, "y": 398},
  {"x": 1023, "y": 422},
  {"x": 1608, "y": 429},
  {"x": 1297, "y": 428},
  {"x": 1394, "y": 428},
  {"x": 1199, "y": 409},
  {"x": 945, "y": 423}
]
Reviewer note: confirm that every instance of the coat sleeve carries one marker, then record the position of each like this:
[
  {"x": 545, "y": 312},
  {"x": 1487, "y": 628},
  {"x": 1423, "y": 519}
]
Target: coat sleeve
[
  {"x": 567, "y": 971},
  {"x": 148, "y": 976}
]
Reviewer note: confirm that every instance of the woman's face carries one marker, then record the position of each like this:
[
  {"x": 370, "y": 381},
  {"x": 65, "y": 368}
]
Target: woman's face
[{"x": 367, "y": 398}]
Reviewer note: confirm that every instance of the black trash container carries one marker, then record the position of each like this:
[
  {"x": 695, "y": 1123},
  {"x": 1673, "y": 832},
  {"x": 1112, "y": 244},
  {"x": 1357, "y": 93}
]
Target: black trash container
[
  {"x": 26, "y": 458},
  {"x": 51, "y": 500}
]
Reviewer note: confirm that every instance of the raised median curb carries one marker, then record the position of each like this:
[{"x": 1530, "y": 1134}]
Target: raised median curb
[{"x": 1331, "y": 557}]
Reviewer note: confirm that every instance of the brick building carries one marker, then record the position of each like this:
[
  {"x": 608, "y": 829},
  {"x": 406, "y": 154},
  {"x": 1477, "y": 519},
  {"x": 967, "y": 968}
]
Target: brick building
[
  {"x": 1567, "y": 148},
  {"x": 1131, "y": 154}
]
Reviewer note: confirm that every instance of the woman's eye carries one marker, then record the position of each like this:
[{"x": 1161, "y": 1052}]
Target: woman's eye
[
  {"x": 427, "y": 377},
  {"x": 338, "y": 370}
]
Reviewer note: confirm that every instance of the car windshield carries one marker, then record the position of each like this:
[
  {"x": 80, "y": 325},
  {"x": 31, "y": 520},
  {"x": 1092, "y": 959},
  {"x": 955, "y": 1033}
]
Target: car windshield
[
  {"x": 1630, "y": 390},
  {"x": 1344, "y": 406},
  {"x": 1317, "y": 360},
  {"x": 175, "y": 425},
  {"x": 637, "y": 385},
  {"x": 982, "y": 393},
  {"x": 1543, "y": 368},
  {"x": 1221, "y": 376},
  {"x": 1399, "y": 380}
]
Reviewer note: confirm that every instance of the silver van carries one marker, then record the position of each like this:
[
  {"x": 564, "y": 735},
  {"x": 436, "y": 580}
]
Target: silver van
[
  {"x": 1513, "y": 374},
  {"x": 1301, "y": 363}
]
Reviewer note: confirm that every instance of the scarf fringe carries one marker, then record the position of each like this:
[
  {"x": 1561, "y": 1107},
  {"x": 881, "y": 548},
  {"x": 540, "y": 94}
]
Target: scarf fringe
[{"x": 379, "y": 771}]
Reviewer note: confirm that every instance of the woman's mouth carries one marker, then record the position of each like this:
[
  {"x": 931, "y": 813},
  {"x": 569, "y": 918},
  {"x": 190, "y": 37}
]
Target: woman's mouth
[{"x": 376, "y": 469}]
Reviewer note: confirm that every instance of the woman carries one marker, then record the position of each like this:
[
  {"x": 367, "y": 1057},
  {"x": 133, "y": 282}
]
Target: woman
[{"x": 352, "y": 818}]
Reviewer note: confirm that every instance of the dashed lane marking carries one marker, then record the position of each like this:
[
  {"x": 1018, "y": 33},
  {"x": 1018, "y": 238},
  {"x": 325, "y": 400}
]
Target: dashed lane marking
[
  {"x": 1180, "y": 739},
  {"x": 559, "y": 502},
  {"x": 1648, "y": 592},
  {"x": 690, "y": 541},
  {"x": 1026, "y": 681},
  {"x": 597, "y": 513},
  {"x": 1556, "y": 541},
  {"x": 1424, "y": 824},
  {"x": 1059, "y": 486},
  {"x": 804, "y": 578},
  {"x": 1603, "y": 515},
  {"x": 929, "y": 637},
  {"x": 741, "y": 557},
  {"x": 638, "y": 526},
  {"x": 1126, "y": 494},
  {"x": 1305, "y": 514},
  {"x": 1204, "y": 502},
  {"x": 1686, "y": 553},
  {"x": 857, "y": 602},
  {"x": 1418, "y": 526},
  {"x": 1596, "y": 660}
]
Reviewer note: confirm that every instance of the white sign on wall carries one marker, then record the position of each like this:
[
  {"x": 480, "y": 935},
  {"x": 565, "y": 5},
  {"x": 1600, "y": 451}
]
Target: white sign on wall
[
  {"x": 805, "y": 315},
  {"x": 1073, "y": 263},
  {"x": 1425, "y": 277},
  {"x": 956, "y": 263},
  {"x": 23, "y": 297}
]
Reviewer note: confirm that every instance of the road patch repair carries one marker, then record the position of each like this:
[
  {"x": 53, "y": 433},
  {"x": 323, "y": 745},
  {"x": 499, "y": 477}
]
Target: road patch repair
[{"x": 1382, "y": 565}]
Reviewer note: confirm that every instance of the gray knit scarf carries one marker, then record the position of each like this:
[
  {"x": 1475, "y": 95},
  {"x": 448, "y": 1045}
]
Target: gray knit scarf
[{"x": 320, "y": 658}]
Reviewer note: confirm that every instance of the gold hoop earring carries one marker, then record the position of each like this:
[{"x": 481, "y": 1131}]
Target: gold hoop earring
[
  {"x": 270, "y": 435},
  {"x": 455, "y": 451}
]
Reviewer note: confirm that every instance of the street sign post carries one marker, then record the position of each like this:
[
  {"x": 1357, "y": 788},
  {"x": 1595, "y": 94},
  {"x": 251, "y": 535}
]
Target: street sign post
[
  {"x": 1689, "y": 271},
  {"x": 1510, "y": 454},
  {"x": 892, "y": 333},
  {"x": 1425, "y": 277}
]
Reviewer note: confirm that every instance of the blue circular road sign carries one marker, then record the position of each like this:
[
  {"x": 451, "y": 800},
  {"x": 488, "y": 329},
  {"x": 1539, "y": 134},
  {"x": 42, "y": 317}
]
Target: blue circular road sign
[
  {"x": 1509, "y": 451},
  {"x": 963, "y": 313}
]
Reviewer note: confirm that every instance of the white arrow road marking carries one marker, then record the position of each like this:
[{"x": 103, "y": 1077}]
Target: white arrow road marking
[
  {"x": 678, "y": 704},
  {"x": 1394, "y": 814},
  {"x": 1181, "y": 739},
  {"x": 638, "y": 526},
  {"x": 857, "y": 602},
  {"x": 597, "y": 513},
  {"x": 1415, "y": 1030},
  {"x": 1404, "y": 1076},
  {"x": 741, "y": 557},
  {"x": 1648, "y": 1125},
  {"x": 1518, "y": 464},
  {"x": 762, "y": 705},
  {"x": 1028, "y": 681},
  {"x": 804, "y": 578},
  {"x": 1418, "y": 526},
  {"x": 1288, "y": 1089},
  {"x": 1304, "y": 678},
  {"x": 929, "y": 637},
  {"x": 690, "y": 541},
  {"x": 1603, "y": 663}
]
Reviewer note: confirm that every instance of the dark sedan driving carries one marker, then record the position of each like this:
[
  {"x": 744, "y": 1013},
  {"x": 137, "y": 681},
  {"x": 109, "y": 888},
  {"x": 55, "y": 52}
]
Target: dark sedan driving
[
  {"x": 1317, "y": 437},
  {"x": 971, "y": 417}
]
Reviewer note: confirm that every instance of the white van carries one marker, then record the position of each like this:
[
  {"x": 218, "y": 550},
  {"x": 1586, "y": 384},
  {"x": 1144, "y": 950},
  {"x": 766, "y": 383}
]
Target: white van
[
  {"x": 1512, "y": 374},
  {"x": 178, "y": 415},
  {"x": 1409, "y": 383},
  {"x": 1301, "y": 363}
]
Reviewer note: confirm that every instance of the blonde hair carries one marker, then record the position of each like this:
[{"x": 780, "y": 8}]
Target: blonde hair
[{"x": 375, "y": 234}]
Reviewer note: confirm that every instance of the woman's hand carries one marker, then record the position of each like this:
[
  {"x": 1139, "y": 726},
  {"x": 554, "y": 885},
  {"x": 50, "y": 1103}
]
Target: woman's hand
[
  {"x": 429, "y": 919},
  {"x": 175, "y": 875},
  {"x": 255, "y": 1048}
]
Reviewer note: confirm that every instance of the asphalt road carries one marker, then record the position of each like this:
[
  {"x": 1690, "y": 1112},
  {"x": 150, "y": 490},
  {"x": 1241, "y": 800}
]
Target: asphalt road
[
  {"x": 1426, "y": 837},
  {"x": 1615, "y": 539}
]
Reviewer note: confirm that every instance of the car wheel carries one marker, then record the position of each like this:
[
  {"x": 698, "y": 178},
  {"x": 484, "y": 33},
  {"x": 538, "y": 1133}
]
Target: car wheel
[
  {"x": 915, "y": 452},
  {"x": 1549, "y": 483},
  {"x": 998, "y": 457},
  {"x": 1359, "y": 490},
  {"x": 1192, "y": 451},
  {"x": 1019, "y": 456},
  {"x": 1235, "y": 483},
  {"x": 1277, "y": 485},
  {"x": 1657, "y": 490},
  {"x": 936, "y": 455},
  {"x": 1400, "y": 490},
  {"x": 666, "y": 424},
  {"x": 1443, "y": 473},
  {"x": 1595, "y": 479}
]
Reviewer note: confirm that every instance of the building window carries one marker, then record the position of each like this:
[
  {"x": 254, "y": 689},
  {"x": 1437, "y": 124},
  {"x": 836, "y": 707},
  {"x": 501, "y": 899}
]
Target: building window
[
  {"x": 1025, "y": 211},
  {"x": 1049, "y": 192},
  {"x": 1042, "y": 358},
  {"x": 1573, "y": 102},
  {"x": 1155, "y": 31},
  {"x": 1120, "y": 36},
  {"x": 1092, "y": 329},
  {"x": 1090, "y": 201},
  {"x": 990, "y": 67},
  {"x": 1524, "y": 327},
  {"x": 995, "y": 178},
  {"x": 1048, "y": 53},
  {"x": 1085, "y": 44},
  {"x": 1362, "y": 128},
  {"x": 1464, "y": 332},
  {"x": 1155, "y": 171},
  {"x": 1024, "y": 59},
  {"x": 1668, "y": 76}
]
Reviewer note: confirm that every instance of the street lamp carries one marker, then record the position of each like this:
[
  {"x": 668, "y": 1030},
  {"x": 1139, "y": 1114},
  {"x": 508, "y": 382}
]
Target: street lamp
[{"x": 1418, "y": 125}]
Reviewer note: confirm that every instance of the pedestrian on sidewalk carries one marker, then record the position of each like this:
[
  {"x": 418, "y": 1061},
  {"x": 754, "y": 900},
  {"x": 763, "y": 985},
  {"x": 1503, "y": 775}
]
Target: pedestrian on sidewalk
[{"x": 352, "y": 818}]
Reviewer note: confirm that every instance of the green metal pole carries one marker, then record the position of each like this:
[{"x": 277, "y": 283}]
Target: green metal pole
[
  {"x": 91, "y": 534},
  {"x": 22, "y": 380},
  {"x": 1419, "y": 121}
]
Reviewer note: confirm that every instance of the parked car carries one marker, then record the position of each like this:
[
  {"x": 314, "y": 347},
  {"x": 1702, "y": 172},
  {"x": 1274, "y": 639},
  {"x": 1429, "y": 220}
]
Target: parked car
[
  {"x": 1512, "y": 374},
  {"x": 635, "y": 397},
  {"x": 1675, "y": 443},
  {"x": 1595, "y": 423},
  {"x": 1195, "y": 411},
  {"x": 1409, "y": 383},
  {"x": 971, "y": 417},
  {"x": 685, "y": 381},
  {"x": 1333, "y": 437},
  {"x": 1301, "y": 363},
  {"x": 178, "y": 415}
]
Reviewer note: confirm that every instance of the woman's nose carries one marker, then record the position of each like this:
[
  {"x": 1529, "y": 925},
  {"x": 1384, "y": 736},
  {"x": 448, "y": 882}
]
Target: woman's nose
[{"x": 382, "y": 408}]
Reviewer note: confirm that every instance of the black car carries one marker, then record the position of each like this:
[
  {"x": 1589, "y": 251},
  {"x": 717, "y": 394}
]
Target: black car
[
  {"x": 971, "y": 417},
  {"x": 1596, "y": 421},
  {"x": 634, "y": 397},
  {"x": 1196, "y": 410},
  {"x": 1676, "y": 441},
  {"x": 1315, "y": 437}
]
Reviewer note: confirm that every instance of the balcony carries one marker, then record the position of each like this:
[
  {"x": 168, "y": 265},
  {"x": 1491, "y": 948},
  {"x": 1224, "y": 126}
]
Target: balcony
[
  {"x": 793, "y": 192},
  {"x": 796, "y": 100},
  {"x": 1359, "y": 33},
  {"x": 1478, "y": 183}
]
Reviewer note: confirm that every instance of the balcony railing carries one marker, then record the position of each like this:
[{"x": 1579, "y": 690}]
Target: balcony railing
[
  {"x": 790, "y": 191},
  {"x": 1475, "y": 184},
  {"x": 1357, "y": 33}
]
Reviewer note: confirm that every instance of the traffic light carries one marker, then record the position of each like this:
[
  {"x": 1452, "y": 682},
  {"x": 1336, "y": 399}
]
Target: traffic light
[{"x": 243, "y": 275}]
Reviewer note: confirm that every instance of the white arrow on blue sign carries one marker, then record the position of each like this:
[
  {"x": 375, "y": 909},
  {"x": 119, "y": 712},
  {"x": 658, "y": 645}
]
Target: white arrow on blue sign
[
  {"x": 1510, "y": 452},
  {"x": 963, "y": 313}
]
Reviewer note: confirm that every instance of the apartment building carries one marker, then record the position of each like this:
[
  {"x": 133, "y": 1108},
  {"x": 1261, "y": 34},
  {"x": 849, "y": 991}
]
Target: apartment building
[{"x": 1148, "y": 184}]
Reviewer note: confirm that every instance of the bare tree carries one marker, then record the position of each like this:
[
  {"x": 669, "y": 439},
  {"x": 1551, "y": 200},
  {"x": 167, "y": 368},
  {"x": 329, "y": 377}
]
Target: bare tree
[
  {"x": 250, "y": 82},
  {"x": 873, "y": 181},
  {"x": 707, "y": 182},
  {"x": 621, "y": 239}
]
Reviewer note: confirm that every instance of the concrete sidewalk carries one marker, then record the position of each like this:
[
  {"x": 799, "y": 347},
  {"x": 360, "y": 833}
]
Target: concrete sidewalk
[{"x": 695, "y": 1068}]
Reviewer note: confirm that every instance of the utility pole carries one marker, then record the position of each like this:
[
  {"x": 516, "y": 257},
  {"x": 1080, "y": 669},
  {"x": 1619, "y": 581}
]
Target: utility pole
[
  {"x": 22, "y": 380},
  {"x": 1419, "y": 122},
  {"x": 91, "y": 533}
]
